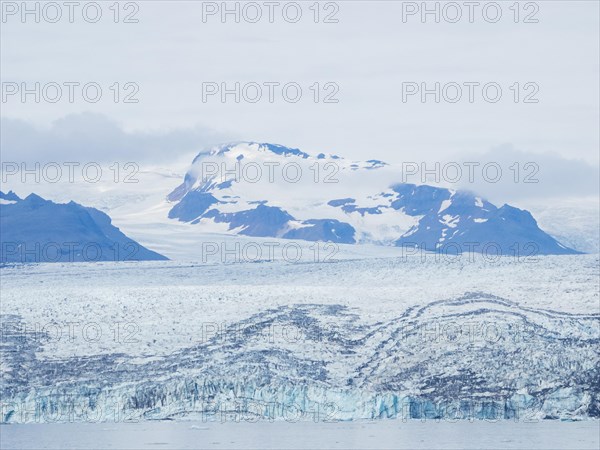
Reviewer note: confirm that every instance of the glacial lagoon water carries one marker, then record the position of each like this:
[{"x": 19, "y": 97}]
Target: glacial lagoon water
[{"x": 384, "y": 434}]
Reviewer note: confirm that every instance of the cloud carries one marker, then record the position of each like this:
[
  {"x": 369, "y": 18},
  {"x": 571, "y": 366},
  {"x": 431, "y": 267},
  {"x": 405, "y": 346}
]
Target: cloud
[
  {"x": 90, "y": 137},
  {"x": 529, "y": 176}
]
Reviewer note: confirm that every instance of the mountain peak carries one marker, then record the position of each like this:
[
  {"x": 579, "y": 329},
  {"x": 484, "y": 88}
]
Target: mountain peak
[
  {"x": 34, "y": 200},
  {"x": 241, "y": 149},
  {"x": 9, "y": 196}
]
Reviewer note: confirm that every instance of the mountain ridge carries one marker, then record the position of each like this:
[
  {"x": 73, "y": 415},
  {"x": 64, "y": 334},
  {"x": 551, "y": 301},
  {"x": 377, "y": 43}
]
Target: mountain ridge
[{"x": 39, "y": 230}]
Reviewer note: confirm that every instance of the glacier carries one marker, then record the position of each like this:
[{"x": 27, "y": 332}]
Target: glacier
[{"x": 306, "y": 341}]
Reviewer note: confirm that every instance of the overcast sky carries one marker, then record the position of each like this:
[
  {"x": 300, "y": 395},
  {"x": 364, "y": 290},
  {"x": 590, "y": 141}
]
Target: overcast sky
[{"x": 368, "y": 54}]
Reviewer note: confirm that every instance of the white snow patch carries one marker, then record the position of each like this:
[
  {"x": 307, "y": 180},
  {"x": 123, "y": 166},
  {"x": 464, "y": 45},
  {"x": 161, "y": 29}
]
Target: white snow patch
[{"x": 445, "y": 204}]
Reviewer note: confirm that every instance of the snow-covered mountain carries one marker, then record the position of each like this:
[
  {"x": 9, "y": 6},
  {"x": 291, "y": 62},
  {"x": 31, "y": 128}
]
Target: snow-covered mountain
[
  {"x": 268, "y": 190},
  {"x": 39, "y": 230}
]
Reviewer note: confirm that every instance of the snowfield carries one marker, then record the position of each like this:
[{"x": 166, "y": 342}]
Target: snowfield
[{"x": 356, "y": 337}]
